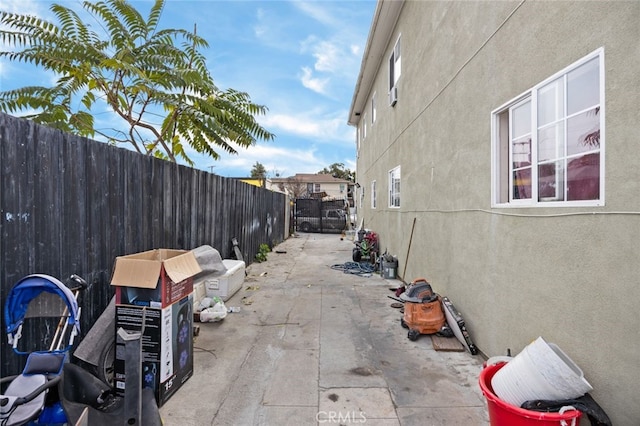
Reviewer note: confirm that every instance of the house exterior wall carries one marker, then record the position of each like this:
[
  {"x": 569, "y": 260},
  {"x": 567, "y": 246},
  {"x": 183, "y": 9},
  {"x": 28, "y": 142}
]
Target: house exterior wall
[
  {"x": 569, "y": 274},
  {"x": 333, "y": 187}
]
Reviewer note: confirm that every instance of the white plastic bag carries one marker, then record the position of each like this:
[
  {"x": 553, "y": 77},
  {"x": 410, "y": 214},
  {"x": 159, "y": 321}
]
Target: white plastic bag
[
  {"x": 217, "y": 312},
  {"x": 204, "y": 304}
]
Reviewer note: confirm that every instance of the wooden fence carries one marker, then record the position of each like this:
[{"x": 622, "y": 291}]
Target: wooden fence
[{"x": 70, "y": 205}]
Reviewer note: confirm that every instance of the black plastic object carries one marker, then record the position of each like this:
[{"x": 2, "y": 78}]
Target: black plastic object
[
  {"x": 419, "y": 291},
  {"x": 586, "y": 404}
]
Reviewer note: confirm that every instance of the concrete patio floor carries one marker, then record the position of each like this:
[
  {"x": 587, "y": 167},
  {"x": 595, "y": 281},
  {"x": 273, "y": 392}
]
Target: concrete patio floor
[{"x": 312, "y": 345}]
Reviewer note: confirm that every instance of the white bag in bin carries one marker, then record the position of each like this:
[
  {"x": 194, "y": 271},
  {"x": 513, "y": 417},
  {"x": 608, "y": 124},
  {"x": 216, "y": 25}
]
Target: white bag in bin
[{"x": 216, "y": 312}]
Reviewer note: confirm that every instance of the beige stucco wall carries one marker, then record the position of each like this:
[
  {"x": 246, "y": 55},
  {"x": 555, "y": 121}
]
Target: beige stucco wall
[
  {"x": 333, "y": 189},
  {"x": 515, "y": 274}
]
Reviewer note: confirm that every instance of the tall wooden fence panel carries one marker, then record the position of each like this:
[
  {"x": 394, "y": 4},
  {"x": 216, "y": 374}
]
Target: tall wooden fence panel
[{"x": 70, "y": 205}]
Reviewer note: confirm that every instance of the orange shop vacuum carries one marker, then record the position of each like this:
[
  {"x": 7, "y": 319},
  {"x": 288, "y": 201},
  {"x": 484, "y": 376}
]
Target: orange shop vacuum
[{"x": 423, "y": 312}]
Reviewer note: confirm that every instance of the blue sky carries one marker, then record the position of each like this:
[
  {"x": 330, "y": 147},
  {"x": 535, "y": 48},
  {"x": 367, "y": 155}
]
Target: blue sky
[{"x": 299, "y": 58}]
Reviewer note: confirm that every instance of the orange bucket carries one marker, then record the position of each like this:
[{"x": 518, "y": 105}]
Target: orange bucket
[{"x": 503, "y": 414}]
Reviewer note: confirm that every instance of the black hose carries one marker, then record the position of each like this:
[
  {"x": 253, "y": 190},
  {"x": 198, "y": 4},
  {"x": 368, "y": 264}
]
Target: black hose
[{"x": 355, "y": 268}]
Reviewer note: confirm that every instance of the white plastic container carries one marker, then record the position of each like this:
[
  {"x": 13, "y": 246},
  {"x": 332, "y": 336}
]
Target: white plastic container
[
  {"x": 226, "y": 285},
  {"x": 541, "y": 371},
  {"x": 199, "y": 293}
]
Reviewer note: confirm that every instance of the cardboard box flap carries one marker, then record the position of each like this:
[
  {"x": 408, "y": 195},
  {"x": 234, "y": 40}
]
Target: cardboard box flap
[
  {"x": 164, "y": 254},
  {"x": 181, "y": 267},
  {"x": 136, "y": 272}
]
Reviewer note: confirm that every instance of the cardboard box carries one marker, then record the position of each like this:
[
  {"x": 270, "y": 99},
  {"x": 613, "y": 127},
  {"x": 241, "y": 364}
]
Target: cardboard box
[
  {"x": 227, "y": 284},
  {"x": 167, "y": 346},
  {"x": 154, "y": 278}
]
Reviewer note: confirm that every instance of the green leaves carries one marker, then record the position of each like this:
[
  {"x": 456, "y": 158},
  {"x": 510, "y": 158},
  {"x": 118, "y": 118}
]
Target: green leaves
[
  {"x": 338, "y": 170},
  {"x": 154, "y": 80}
]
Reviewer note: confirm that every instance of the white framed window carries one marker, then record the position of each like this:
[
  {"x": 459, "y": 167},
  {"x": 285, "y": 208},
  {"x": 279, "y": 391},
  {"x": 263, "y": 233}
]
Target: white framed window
[
  {"x": 316, "y": 187},
  {"x": 342, "y": 188},
  {"x": 374, "y": 193},
  {"x": 395, "y": 64},
  {"x": 373, "y": 109},
  {"x": 394, "y": 187},
  {"x": 395, "y": 69},
  {"x": 548, "y": 143},
  {"x": 364, "y": 126}
]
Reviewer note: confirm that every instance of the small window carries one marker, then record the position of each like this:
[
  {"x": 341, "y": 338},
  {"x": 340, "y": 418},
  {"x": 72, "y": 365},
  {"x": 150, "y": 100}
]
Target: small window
[
  {"x": 342, "y": 187},
  {"x": 548, "y": 145},
  {"x": 395, "y": 62},
  {"x": 394, "y": 187},
  {"x": 364, "y": 126},
  {"x": 316, "y": 187},
  {"x": 395, "y": 65},
  {"x": 373, "y": 194},
  {"x": 373, "y": 109}
]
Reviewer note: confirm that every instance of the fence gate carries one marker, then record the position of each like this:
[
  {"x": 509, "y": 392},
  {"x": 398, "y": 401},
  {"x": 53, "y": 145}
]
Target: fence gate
[{"x": 316, "y": 215}]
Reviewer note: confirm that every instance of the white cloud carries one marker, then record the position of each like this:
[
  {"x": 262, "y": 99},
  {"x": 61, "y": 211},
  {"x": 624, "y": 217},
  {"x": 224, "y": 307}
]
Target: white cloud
[
  {"x": 272, "y": 28},
  {"x": 285, "y": 162},
  {"x": 318, "y": 85},
  {"x": 304, "y": 156},
  {"x": 24, "y": 7},
  {"x": 260, "y": 29},
  {"x": 319, "y": 126},
  {"x": 328, "y": 56},
  {"x": 318, "y": 13},
  {"x": 275, "y": 159},
  {"x": 336, "y": 58},
  {"x": 350, "y": 164}
]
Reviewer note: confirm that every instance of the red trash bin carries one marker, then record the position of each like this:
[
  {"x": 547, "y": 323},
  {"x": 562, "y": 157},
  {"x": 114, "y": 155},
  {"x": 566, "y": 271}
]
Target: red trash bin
[{"x": 504, "y": 414}]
